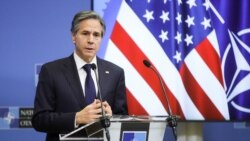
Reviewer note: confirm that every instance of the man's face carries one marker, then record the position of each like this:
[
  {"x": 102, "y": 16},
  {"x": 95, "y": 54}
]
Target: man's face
[{"x": 87, "y": 39}]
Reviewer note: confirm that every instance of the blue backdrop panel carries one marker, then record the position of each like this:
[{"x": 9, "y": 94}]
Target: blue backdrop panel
[{"x": 32, "y": 32}]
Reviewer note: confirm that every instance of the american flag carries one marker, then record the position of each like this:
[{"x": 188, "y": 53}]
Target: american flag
[{"x": 178, "y": 38}]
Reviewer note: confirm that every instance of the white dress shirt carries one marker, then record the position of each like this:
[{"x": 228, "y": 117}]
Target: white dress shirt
[{"x": 82, "y": 73}]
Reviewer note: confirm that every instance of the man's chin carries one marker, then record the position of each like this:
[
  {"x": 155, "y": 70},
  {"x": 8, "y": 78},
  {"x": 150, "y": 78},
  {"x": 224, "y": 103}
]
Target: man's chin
[{"x": 89, "y": 57}]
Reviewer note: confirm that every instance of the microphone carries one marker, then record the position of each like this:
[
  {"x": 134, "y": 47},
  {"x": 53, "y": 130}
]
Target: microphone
[
  {"x": 148, "y": 64},
  {"x": 171, "y": 119},
  {"x": 105, "y": 121}
]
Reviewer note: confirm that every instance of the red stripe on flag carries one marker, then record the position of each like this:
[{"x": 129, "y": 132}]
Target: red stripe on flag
[
  {"x": 129, "y": 48},
  {"x": 134, "y": 107},
  {"x": 198, "y": 96},
  {"x": 210, "y": 56}
]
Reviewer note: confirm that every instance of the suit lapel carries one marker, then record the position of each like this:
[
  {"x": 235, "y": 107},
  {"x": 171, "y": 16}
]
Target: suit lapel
[
  {"x": 103, "y": 73},
  {"x": 73, "y": 79}
]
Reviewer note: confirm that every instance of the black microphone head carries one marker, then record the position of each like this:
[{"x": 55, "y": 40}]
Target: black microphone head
[
  {"x": 147, "y": 63},
  {"x": 93, "y": 66}
]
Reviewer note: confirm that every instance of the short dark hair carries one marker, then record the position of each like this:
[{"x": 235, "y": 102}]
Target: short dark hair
[{"x": 84, "y": 15}]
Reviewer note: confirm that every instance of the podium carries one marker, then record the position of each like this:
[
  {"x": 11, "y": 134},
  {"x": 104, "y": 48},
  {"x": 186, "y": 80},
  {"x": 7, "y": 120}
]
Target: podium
[{"x": 122, "y": 128}]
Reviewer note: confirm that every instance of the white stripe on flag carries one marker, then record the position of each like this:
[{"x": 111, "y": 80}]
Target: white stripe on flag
[
  {"x": 213, "y": 40},
  {"x": 212, "y": 87},
  {"x": 135, "y": 83},
  {"x": 151, "y": 48}
]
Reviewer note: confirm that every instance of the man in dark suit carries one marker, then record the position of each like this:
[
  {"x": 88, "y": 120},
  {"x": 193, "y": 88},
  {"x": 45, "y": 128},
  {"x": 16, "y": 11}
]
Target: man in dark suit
[{"x": 60, "y": 104}]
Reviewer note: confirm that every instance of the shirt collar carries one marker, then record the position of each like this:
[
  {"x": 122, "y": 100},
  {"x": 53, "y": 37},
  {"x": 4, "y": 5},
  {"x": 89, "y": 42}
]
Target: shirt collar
[{"x": 80, "y": 63}]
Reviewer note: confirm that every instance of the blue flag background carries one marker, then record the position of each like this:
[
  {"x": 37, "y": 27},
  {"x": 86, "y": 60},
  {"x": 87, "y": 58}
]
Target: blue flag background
[{"x": 233, "y": 33}]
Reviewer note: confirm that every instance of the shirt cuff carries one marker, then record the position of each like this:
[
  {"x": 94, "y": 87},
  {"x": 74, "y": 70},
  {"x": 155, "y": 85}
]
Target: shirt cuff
[{"x": 75, "y": 125}]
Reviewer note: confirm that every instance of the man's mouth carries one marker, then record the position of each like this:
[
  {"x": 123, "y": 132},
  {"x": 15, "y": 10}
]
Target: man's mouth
[{"x": 90, "y": 48}]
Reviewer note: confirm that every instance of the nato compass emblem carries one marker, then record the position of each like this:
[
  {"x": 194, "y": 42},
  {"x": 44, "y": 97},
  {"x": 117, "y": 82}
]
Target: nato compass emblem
[
  {"x": 237, "y": 82},
  {"x": 235, "y": 64},
  {"x": 9, "y": 117}
]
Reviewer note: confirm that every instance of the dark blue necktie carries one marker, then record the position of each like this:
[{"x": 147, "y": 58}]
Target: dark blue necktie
[{"x": 90, "y": 92}]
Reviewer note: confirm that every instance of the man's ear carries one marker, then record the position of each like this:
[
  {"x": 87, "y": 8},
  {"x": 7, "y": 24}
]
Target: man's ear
[{"x": 73, "y": 38}]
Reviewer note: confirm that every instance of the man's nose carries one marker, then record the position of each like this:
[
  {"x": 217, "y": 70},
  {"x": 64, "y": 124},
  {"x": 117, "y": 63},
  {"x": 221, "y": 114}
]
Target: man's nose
[{"x": 90, "y": 38}]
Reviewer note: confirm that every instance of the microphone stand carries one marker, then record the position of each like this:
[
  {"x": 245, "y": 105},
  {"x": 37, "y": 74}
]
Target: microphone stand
[
  {"x": 171, "y": 120},
  {"x": 105, "y": 121}
]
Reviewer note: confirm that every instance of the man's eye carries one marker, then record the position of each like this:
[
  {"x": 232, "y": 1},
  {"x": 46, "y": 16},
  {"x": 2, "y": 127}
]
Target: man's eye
[
  {"x": 85, "y": 33},
  {"x": 97, "y": 35}
]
